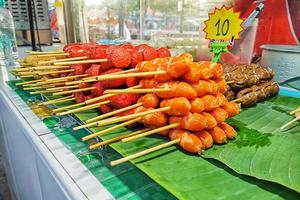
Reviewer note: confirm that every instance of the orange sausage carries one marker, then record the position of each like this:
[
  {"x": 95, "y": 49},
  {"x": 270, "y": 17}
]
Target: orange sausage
[
  {"x": 222, "y": 85},
  {"x": 218, "y": 135},
  {"x": 219, "y": 114},
  {"x": 149, "y": 100},
  {"x": 201, "y": 87},
  {"x": 229, "y": 130},
  {"x": 205, "y": 138},
  {"x": 177, "y": 133},
  {"x": 146, "y": 66},
  {"x": 177, "y": 89},
  {"x": 177, "y": 69},
  {"x": 210, "y": 102},
  {"x": 194, "y": 122},
  {"x": 213, "y": 87},
  {"x": 179, "y": 106},
  {"x": 217, "y": 70},
  {"x": 197, "y": 105},
  {"x": 191, "y": 143},
  {"x": 162, "y": 77},
  {"x": 191, "y": 122},
  {"x": 154, "y": 120},
  {"x": 148, "y": 83},
  {"x": 221, "y": 99},
  {"x": 232, "y": 108},
  {"x": 210, "y": 120},
  {"x": 184, "y": 57}
]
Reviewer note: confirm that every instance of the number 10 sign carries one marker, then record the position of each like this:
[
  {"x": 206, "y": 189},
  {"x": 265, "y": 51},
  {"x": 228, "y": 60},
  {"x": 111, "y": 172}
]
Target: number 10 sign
[{"x": 223, "y": 24}]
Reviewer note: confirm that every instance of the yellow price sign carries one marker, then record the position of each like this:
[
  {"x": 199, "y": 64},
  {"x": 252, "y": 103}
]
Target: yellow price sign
[{"x": 223, "y": 24}]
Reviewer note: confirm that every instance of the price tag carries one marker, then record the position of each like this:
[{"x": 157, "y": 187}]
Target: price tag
[{"x": 223, "y": 24}]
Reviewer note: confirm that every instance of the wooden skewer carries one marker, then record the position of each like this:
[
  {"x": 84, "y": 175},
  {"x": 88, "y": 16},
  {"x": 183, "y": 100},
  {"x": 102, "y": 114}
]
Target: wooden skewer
[
  {"x": 80, "y": 62},
  {"x": 63, "y": 87},
  {"x": 43, "y": 52},
  {"x": 68, "y": 107},
  {"x": 84, "y": 108},
  {"x": 28, "y": 82},
  {"x": 94, "y": 78},
  {"x": 56, "y": 72},
  {"x": 142, "y": 153},
  {"x": 55, "y": 100},
  {"x": 100, "y": 144},
  {"x": 229, "y": 82},
  {"x": 107, "y": 95},
  {"x": 61, "y": 101},
  {"x": 236, "y": 100},
  {"x": 146, "y": 90},
  {"x": 28, "y": 76},
  {"x": 120, "y": 72},
  {"x": 90, "y": 101},
  {"x": 42, "y": 92},
  {"x": 294, "y": 111},
  {"x": 132, "y": 116},
  {"x": 113, "y": 113},
  {"x": 52, "y": 55},
  {"x": 54, "y": 84},
  {"x": 37, "y": 87},
  {"x": 151, "y": 132},
  {"x": 40, "y": 68},
  {"x": 65, "y": 78},
  {"x": 73, "y": 91},
  {"x": 28, "y": 73},
  {"x": 118, "y": 76},
  {"x": 110, "y": 129},
  {"x": 62, "y": 60},
  {"x": 290, "y": 122}
]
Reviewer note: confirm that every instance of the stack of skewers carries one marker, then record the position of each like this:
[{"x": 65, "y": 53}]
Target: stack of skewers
[
  {"x": 250, "y": 83},
  {"x": 182, "y": 99}
]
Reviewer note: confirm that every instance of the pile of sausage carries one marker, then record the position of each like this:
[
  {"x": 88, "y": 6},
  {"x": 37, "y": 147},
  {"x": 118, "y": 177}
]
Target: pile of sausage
[
  {"x": 120, "y": 58},
  {"x": 251, "y": 83},
  {"x": 195, "y": 100}
]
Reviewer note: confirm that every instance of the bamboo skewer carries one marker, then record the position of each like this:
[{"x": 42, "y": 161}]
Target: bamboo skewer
[
  {"x": 62, "y": 79},
  {"x": 142, "y": 153},
  {"x": 107, "y": 95},
  {"x": 42, "y": 92},
  {"x": 229, "y": 82},
  {"x": 28, "y": 82},
  {"x": 151, "y": 132},
  {"x": 146, "y": 90},
  {"x": 61, "y": 101},
  {"x": 113, "y": 113},
  {"x": 62, "y": 88},
  {"x": 236, "y": 100},
  {"x": 73, "y": 91},
  {"x": 94, "y": 78},
  {"x": 37, "y": 87},
  {"x": 43, "y": 52},
  {"x": 294, "y": 111},
  {"x": 84, "y": 108},
  {"x": 52, "y": 55},
  {"x": 115, "y": 76},
  {"x": 99, "y": 144},
  {"x": 128, "y": 117},
  {"x": 56, "y": 72},
  {"x": 67, "y": 107},
  {"x": 57, "y": 100},
  {"x": 289, "y": 123},
  {"x": 114, "y": 73},
  {"x": 80, "y": 62},
  {"x": 110, "y": 129},
  {"x": 40, "y": 68},
  {"x": 62, "y": 60}
]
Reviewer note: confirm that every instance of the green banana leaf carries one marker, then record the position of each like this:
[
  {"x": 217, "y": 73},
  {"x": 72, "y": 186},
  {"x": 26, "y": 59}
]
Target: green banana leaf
[
  {"x": 189, "y": 176},
  {"x": 261, "y": 149}
]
